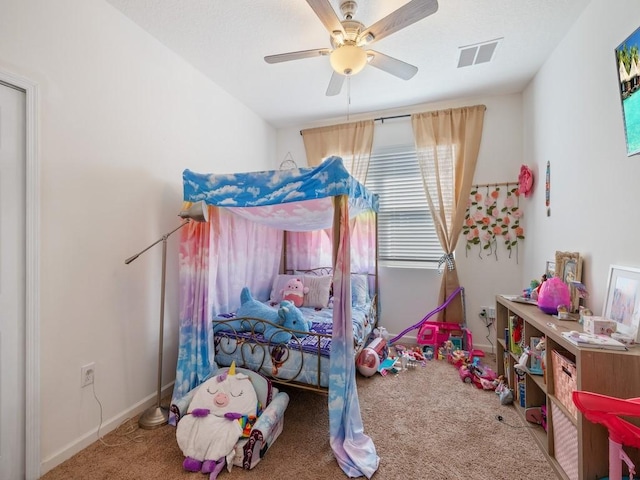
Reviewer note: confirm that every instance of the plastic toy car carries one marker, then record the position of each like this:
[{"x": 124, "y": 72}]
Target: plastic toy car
[{"x": 480, "y": 376}]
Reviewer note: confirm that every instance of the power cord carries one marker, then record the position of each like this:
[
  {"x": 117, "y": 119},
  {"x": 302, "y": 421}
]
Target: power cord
[
  {"x": 126, "y": 429},
  {"x": 501, "y": 419},
  {"x": 488, "y": 337},
  {"x": 488, "y": 322}
]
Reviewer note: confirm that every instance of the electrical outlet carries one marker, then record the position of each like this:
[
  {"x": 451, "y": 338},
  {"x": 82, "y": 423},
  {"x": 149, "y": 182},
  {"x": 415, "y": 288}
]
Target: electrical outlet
[
  {"x": 87, "y": 374},
  {"x": 484, "y": 312},
  {"x": 491, "y": 313}
]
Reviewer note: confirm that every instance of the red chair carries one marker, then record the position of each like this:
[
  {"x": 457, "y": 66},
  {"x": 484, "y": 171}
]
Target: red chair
[{"x": 606, "y": 411}]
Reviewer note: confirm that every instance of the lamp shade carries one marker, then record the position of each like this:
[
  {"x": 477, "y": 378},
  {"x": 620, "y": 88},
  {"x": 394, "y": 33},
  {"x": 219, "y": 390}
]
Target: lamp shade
[
  {"x": 348, "y": 59},
  {"x": 197, "y": 212}
]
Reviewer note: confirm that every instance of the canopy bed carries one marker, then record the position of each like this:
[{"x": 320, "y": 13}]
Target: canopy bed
[{"x": 264, "y": 228}]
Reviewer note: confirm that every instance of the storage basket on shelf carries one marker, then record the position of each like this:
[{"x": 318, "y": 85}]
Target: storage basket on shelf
[
  {"x": 564, "y": 381},
  {"x": 565, "y": 441}
]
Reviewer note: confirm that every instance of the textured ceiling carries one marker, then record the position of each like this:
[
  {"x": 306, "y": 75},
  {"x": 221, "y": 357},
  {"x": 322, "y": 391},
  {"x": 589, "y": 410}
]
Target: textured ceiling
[{"x": 227, "y": 40}]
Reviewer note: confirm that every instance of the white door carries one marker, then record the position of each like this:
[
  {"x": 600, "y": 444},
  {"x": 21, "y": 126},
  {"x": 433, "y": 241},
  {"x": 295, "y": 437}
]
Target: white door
[{"x": 12, "y": 283}]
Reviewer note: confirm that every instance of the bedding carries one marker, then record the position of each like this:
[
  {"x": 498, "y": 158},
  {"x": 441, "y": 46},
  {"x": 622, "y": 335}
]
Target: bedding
[{"x": 296, "y": 361}]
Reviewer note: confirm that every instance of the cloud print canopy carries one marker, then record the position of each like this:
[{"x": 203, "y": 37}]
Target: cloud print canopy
[{"x": 296, "y": 200}]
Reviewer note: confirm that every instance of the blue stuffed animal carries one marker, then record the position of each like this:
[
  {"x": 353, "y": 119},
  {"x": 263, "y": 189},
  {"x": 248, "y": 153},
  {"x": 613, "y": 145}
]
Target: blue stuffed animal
[{"x": 287, "y": 316}]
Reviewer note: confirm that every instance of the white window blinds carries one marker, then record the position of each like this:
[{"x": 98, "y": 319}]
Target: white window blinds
[{"x": 405, "y": 229}]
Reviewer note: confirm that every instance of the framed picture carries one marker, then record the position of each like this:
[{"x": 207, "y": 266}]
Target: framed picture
[
  {"x": 569, "y": 268},
  {"x": 623, "y": 297},
  {"x": 550, "y": 270},
  {"x": 628, "y": 81}
]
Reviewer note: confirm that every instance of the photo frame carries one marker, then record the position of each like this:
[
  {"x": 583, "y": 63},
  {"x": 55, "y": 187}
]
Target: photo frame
[
  {"x": 628, "y": 82},
  {"x": 550, "y": 269},
  {"x": 622, "y": 303},
  {"x": 568, "y": 267}
]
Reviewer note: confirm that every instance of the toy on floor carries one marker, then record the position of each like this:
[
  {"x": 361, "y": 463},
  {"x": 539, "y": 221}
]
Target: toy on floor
[
  {"x": 372, "y": 356},
  {"x": 457, "y": 358},
  {"x": 218, "y": 414},
  {"x": 434, "y": 334},
  {"x": 428, "y": 353},
  {"x": 412, "y": 359},
  {"x": 368, "y": 362},
  {"x": 481, "y": 376},
  {"x": 414, "y": 353},
  {"x": 503, "y": 391}
]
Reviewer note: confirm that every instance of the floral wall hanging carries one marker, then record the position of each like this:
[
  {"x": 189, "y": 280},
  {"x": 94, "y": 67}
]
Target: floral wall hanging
[{"x": 493, "y": 219}]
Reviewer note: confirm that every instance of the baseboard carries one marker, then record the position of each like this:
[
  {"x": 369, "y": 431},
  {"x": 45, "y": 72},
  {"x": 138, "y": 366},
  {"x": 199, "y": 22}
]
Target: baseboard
[{"x": 108, "y": 425}]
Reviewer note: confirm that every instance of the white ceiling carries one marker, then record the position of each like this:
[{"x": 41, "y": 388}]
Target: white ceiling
[{"x": 227, "y": 40}]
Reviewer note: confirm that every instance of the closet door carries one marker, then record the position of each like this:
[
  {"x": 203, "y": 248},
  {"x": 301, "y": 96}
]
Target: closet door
[{"x": 12, "y": 282}]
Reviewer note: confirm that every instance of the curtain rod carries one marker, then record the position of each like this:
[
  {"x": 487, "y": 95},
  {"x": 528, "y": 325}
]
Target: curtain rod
[
  {"x": 499, "y": 184},
  {"x": 382, "y": 119}
]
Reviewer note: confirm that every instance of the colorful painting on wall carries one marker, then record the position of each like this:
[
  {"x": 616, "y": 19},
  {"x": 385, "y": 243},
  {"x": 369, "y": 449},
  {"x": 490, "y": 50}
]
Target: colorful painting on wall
[{"x": 628, "y": 65}]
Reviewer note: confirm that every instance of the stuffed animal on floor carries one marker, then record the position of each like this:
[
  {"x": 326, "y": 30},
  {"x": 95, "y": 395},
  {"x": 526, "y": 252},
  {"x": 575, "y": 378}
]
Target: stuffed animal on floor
[
  {"x": 287, "y": 316},
  {"x": 294, "y": 291},
  {"x": 221, "y": 409}
]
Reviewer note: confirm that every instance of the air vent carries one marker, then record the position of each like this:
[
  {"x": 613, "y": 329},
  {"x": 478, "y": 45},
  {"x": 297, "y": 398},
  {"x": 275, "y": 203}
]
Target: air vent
[{"x": 478, "y": 53}]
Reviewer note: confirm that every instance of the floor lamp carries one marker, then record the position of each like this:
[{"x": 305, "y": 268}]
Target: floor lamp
[{"x": 156, "y": 416}]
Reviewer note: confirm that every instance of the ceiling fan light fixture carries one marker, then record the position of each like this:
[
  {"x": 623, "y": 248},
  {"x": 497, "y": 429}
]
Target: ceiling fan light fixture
[
  {"x": 338, "y": 37},
  {"x": 365, "y": 39},
  {"x": 348, "y": 59}
]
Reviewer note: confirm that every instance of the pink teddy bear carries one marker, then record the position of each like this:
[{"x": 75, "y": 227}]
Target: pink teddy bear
[{"x": 294, "y": 291}]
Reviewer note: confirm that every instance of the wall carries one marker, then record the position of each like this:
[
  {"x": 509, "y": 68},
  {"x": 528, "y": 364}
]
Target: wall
[
  {"x": 120, "y": 118},
  {"x": 573, "y": 119},
  {"x": 408, "y": 294}
]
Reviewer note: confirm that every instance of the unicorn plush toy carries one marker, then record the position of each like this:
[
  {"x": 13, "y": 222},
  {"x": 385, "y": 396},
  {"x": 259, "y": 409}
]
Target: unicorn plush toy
[{"x": 222, "y": 409}]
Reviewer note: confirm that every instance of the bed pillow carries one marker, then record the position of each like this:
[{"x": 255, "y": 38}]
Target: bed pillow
[
  {"x": 278, "y": 285},
  {"x": 359, "y": 289},
  {"x": 319, "y": 290}
]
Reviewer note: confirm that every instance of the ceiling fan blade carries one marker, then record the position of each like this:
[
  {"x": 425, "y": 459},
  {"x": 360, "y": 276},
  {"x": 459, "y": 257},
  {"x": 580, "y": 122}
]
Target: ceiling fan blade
[
  {"x": 392, "y": 65},
  {"x": 327, "y": 15},
  {"x": 402, "y": 17},
  {"x": 335, "y": 84},
  {"x": 285, "y": 57}
]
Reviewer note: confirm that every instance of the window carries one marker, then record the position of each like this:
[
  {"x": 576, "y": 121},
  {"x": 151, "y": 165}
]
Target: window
[{"x": 406, "y": 233}]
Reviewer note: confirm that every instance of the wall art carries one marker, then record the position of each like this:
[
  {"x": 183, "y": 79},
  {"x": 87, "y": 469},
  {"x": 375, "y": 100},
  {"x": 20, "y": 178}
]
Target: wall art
[
  {"x": 627, "y": 63},
  {"x": 492, "y": 220},
  {"x": 623, "y": 297}
]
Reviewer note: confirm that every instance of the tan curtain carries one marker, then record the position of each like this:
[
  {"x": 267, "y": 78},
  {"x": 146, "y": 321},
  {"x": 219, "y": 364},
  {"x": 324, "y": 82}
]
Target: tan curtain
[
  {"x": 447, "y": 145},
  {"x": 351, "y": 141}
]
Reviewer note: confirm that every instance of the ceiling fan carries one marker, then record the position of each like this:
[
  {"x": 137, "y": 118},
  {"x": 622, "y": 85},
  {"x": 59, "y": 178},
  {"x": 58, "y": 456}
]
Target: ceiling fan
[{"x": 350, "y": 39}]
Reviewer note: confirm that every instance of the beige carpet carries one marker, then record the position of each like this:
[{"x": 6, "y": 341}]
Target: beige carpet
[{"x": 425, "y": 423}]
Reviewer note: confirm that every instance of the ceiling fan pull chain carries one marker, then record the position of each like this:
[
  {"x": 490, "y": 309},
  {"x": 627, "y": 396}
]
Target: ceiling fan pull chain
[{"x": 348, "y": 96}]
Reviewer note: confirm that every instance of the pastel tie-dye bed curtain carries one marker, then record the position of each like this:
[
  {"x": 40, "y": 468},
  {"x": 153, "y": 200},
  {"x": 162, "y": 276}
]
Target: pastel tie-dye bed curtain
[
  {"x": 306, "y": 250},
  {"x": 354, "y": 451},
  {"x": 217, "y": 259},
  {"x": 195, "y": 355},
  {"x": 239, "y": 246}
]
